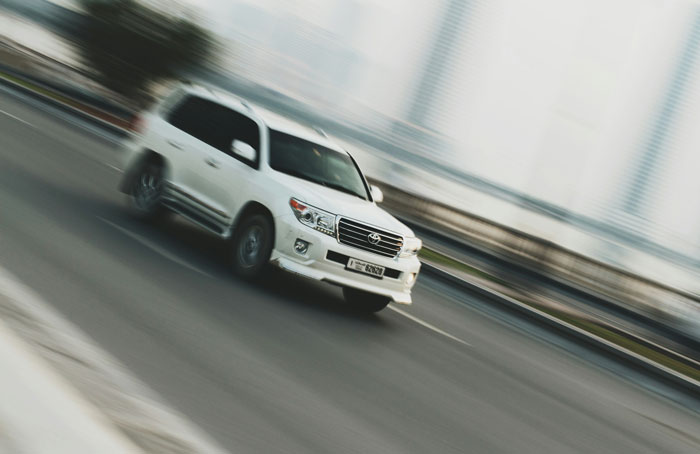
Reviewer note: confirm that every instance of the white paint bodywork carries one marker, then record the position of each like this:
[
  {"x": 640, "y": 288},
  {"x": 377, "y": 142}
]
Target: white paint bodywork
[{"x": 231, "y": 185}]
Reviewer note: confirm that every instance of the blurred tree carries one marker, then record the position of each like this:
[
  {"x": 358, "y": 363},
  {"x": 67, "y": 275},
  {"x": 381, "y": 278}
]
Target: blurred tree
[{"x": 128, "y": 45}]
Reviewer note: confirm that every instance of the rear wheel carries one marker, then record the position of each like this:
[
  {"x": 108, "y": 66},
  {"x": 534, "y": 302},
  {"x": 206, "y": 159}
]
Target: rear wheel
[
  {"x": 252, "y": 246},
  {"x": 365, "y": 301},
  {"x": 146, "y": 192}
]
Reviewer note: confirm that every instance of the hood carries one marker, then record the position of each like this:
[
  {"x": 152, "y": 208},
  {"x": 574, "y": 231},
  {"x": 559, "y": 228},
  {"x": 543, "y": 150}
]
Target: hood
[{"x": 340, "y": 203}]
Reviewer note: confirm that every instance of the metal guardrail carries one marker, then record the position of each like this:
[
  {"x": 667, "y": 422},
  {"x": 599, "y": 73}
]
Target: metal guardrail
[{"x": 640, "y": 295}]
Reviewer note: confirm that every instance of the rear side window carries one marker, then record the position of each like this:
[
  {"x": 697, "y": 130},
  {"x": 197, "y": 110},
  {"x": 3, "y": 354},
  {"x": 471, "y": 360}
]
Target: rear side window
[
  {"x": 190, "y": 117},
  {"x": 215, "y": 125}
]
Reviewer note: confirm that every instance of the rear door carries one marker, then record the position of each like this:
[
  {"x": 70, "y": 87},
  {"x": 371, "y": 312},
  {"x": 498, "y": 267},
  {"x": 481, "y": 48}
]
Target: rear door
[
  {"x": 196, "y": 133},
  {"x": 179, "y": 139}
]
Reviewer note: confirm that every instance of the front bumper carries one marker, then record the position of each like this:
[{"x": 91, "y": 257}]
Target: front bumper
[{"x": 315, "y": 264}]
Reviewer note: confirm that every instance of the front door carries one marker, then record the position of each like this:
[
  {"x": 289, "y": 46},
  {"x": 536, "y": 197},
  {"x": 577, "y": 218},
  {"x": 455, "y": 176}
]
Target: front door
[{"x": 229, "y": 179}]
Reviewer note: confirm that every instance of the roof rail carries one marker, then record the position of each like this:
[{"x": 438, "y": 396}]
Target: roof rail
[
  {"x": 197, "y": 84},
  {"x": 321, "y": 132},
  {"x": 248, "y": 106},
  {"x": 215, "y": 92}
]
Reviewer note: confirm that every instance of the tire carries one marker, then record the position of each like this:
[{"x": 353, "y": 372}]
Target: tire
[
  {"x": 145, "y": 192},
  {"x": 252, "y": 246},
  {"x": 365, "y": 301}
]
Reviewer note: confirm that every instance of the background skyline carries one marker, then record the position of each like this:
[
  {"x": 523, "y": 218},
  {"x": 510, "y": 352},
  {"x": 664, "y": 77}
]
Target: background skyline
[{"x": 557, "y": 100}]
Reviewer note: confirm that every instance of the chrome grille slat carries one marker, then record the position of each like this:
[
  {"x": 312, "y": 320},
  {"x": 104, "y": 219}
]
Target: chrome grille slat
[
  {"x": 369, "y": 228},
  {"x": 360, "y": 242},
  {"x": 382, "y": 243},
  {"x": 369, "y": 249},
  {"x": 385, "y": 237},
  {"x": 355, "y": 234},
  {"x": 356, "y": 229}
]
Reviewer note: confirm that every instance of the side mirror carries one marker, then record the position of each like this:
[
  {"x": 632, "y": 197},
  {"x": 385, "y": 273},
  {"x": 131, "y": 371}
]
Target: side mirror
[
  {"x": 243, "y": 150},
  {"x": 377, "y": 194}
]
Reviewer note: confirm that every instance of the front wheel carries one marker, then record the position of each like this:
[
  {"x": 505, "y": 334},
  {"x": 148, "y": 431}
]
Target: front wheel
[
  {"x": 365, "y": 301},
  {"x": 252, "y": 246}
]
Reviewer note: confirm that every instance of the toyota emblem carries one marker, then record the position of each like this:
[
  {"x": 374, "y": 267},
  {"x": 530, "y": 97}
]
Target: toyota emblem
[{"x": 374, "y": 238}]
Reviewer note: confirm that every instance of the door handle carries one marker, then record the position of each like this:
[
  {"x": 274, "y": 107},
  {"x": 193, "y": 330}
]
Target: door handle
[
  {"x": 174, "y": 144},
  {"x": 212, "y": 163}
]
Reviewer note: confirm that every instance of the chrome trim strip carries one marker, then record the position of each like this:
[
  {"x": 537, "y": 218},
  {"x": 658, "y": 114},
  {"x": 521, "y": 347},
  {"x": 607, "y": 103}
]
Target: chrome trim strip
[
  {"x": 392, "y": 250},
  {"x": 189, "y": 196},
  {"x": 370, "y": 249},
  {"x": 380, "y": 230},
  {"x": 360, "y": 240},
  {"x": 364, "y": 235},
  {"x": 211, "y": 225}
]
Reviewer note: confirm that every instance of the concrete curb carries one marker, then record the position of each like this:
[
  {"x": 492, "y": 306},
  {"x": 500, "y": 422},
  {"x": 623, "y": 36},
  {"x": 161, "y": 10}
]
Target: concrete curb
[
  {"x": 43, "y": 413},
  {"x": 114, "y": 400},
  {"x": 566, "y": 329}
]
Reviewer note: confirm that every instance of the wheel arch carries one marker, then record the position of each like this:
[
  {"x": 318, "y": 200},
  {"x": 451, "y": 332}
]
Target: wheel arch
[
  {"x": 249, "y": 209},
  {"x": 148, "y": 156}
]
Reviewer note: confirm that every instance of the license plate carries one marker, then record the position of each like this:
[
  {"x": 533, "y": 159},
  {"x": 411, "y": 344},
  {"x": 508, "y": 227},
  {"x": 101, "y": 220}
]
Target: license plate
[{"x": 366, "y": 268}]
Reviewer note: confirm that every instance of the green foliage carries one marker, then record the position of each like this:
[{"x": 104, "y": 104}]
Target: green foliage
[{"x": 129, "y": 45}]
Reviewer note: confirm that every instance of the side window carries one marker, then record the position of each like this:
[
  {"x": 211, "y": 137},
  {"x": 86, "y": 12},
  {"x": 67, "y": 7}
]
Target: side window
[
  {"x": 228, "y": 125},
  {"x": 190, "y": 116},
  {"x": 216, "y": 125}
]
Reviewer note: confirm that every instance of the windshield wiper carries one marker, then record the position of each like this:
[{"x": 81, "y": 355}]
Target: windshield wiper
[
  {"x": 341, "y": 188},
  {"x": 328, "y": 184},
  {"x": 304, "y": 176}
]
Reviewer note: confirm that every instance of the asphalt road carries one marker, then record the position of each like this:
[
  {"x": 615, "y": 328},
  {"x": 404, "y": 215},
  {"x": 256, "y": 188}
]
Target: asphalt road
[{"x": 286, "y": 366}]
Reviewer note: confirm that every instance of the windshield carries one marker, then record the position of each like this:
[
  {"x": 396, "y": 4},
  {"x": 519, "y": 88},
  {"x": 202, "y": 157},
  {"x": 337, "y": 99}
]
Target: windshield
[{"x": 312, "y": 162}]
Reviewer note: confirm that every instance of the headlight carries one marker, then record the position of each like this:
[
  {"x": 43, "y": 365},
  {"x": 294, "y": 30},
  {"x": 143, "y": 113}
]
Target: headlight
[
  {"x": 313, "y": 217},
  {"x": 411, "y": 246}
]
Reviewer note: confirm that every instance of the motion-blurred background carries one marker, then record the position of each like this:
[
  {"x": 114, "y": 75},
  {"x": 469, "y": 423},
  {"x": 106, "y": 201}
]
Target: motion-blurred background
[
  {"x": 545, "y": 151},
  {"x": 572, "y": 123}
]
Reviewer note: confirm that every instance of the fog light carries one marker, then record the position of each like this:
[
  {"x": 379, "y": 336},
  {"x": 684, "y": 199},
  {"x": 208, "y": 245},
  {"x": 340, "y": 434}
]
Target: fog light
[
  {"x": 301, "y": 247},
  {"x": 411, "y": 279}
]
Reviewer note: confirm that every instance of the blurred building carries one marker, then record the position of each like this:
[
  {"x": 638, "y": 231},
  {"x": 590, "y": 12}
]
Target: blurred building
[
  {"x": 649, "y": 169},
  {"x": 421, "y": 128},
  {"x": 295, "y": 55},
  {"x": 436, "y": 71}
]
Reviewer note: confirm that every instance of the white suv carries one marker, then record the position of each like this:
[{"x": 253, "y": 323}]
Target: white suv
[{"x": 281, "y": 192}]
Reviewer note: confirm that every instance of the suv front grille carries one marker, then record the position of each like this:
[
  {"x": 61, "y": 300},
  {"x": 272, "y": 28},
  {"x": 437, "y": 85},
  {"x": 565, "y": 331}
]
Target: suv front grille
[{"x": 357, "y": 234}]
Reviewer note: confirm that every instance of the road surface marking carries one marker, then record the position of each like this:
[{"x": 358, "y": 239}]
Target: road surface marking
[
  {"x": 17, "y": 118},
  {"x": 428, "y": 325},
  {"x": 154, "y": 247}
]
